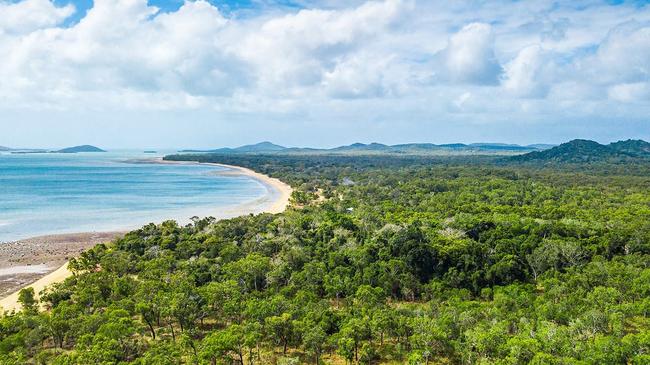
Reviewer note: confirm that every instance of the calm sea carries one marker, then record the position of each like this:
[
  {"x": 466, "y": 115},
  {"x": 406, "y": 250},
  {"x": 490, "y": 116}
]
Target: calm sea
[{"x": 92, "y": 192}]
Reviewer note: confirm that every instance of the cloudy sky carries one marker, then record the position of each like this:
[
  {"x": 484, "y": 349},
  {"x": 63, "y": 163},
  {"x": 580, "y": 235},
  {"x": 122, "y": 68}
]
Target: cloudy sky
[{"x": 168, "y": 73}]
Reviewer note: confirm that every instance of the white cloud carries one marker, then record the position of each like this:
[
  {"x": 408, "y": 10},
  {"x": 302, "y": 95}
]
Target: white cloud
[
  {"x": 399, "y": 58},
  {"x": 295, "y": 51},
  {"x": 524, "y": 74},
  {"x": 469, "y": 57},
  {"x": 194, "y": 51},
  {"x": 143, "y": 52},
  {"x": 365, "y": 76},
  {"x": 624, "y": 55},
  {"x": 30, "y": 15},
  {"x": 630, "y": 92}
]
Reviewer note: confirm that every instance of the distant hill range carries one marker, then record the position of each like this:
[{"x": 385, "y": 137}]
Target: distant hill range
[
  {"x": 585, "y": 151},
  {"x": 4, "y": 149},
  {"x": 77, "y": 149},
  {"x": 378, "y": 148},
  {"x": 252, "y": 148}
]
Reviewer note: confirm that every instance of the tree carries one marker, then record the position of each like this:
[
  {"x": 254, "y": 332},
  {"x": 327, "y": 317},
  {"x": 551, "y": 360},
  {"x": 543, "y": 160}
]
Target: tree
[
  {"x": 427, "y": 338},
  {"x": 314, "y": 339},
  {"x": 252, "y": 337},
  {"x": 59, "y": 322},
  {"x": 251, "y": 270},
  {"x": 347, "y": 348},
  {"x": 149, "y": 303},
  {"x": 185, "y": 302},
  {"x": 381, "y": 322},
  {"x": 224, "y": 344},
  {"x": 88, "y": 260},
  {"x": 358, "y": 330},
  {"x": 161, "y": 353},
  {"x": 368, "y": 297},
  {"x": 224, "y": 298},
  {"x": 27, "y": 300},
  {"x": 113, "y": 342},
  {"x": 280, "y": 328}
]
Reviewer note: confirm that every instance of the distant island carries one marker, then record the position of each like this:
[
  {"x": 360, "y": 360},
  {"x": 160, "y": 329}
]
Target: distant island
[
  {"x": 19, "y": 151},
  {"x": 77, "y": 149}
]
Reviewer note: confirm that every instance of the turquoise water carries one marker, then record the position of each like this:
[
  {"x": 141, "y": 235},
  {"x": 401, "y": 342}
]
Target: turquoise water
[{"x": 92, "y": 192}]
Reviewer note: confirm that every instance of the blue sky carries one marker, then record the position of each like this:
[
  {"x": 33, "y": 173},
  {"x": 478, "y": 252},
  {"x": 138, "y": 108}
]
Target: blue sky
[
  {"x": 167, "y": 73},
  {"x": 229, "y": 7}
]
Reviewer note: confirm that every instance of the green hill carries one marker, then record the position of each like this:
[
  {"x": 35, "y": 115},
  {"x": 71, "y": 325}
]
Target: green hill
[
  {"x": 581, "y": 151},
  {"x": 635, "y": 147},
  {"x": 357, "y": 147},
  {"x": 262, "y": 147}
]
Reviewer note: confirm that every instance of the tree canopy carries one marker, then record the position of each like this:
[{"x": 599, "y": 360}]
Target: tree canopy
[{"x": 379, "y": 260}]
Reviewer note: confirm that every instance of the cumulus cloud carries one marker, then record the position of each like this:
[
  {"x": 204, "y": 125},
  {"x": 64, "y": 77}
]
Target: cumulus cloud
[
  {"x": 194, "y": 51},
  {"x": 29, "y": 15},
  {"x": 469, "y": 56},
  {"x": 417, "y": 58},
  {"x": 624, "y": 55},
  {"x": 298, "y": 50},
  {"x": 364, "y": 76},
  {"x": 524, "y": 75},
  {"x": 143, "y": 52}
]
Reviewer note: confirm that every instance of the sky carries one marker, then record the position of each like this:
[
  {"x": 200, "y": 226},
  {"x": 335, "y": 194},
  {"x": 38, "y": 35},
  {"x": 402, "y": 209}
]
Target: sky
[{"x": 321, "y": 73}]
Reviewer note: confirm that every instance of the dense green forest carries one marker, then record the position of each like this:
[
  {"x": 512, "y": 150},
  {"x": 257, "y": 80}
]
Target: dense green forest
[{"x": 379, "y": 260}]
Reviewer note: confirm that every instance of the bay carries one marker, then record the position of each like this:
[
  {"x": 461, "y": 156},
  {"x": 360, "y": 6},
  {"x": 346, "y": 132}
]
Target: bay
[{"x": 92, "y": 192}]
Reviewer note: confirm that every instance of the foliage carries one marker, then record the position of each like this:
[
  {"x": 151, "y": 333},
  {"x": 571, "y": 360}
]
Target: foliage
[{"x": 382, "y": 260}]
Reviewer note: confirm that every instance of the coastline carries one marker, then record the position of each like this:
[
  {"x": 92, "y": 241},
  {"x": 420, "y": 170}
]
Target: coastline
[
  {"x": 280, "y": 190},
  {"x": 38, "y": 261},
  {"x": 41, "y": 261}
]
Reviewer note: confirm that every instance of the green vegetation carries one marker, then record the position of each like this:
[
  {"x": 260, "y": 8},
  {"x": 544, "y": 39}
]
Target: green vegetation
[
  {"x": 385, "y": 260},
  {"x": 582, "y": 151}
]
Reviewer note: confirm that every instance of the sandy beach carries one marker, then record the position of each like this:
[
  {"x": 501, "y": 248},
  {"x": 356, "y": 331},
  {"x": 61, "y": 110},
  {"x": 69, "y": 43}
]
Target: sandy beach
[
  {"x": 26, "y": 261},
  {"x": 42, "y": 261},
  {"x": 279, "y": 192}
]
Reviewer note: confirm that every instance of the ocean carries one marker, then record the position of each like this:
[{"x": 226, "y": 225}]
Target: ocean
[{"x": 42, "y": 194}]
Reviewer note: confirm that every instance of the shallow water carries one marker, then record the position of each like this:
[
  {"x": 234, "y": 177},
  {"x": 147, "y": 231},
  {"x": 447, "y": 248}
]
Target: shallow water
[
  {"x": 92, "y": 192},
  {"x": 25, "y": 269}
]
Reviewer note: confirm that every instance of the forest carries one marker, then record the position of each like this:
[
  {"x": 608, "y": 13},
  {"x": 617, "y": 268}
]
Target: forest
[{"x": 378, "y": 260}]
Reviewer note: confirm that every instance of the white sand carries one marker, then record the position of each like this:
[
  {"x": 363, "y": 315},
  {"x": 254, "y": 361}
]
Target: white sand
[
  {"x": 284, "y": 190},
  {"x": 10, "y": 303}
]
